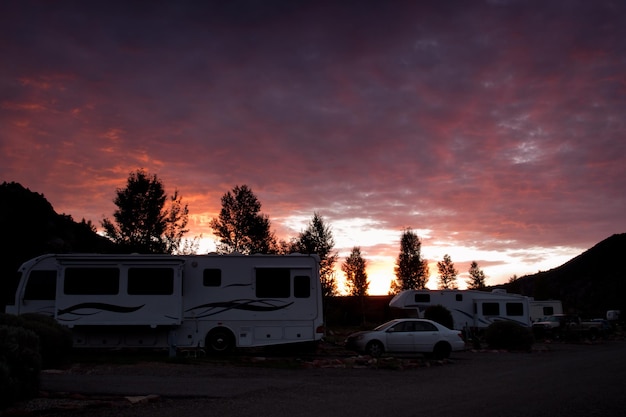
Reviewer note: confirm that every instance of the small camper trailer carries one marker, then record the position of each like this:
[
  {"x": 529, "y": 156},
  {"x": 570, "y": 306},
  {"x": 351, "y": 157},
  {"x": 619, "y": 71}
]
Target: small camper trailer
[
  {"x": 539, "y": 310},
  {"x": 212, "y": 301}
]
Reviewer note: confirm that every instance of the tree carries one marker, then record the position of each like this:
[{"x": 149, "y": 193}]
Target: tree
[
  {"x": 176, "y": 221},
  {"x": 240, "y": 227},
  {"x": 189, "y": 246},
  {"x": 142, "y": 222},
  {"x": 514, "y": 284},
  {"x": 356, "y": 277},
  {"x": 477, "y": 278},
  {"x": 318, "y": 238},
  {"x": 447, "y": 274},
  {"x": 440, "y": 314},
  {"x": 411, "y": 270}
]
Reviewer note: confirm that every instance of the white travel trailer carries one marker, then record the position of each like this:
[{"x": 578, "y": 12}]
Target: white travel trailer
[
  {"x": 470, "y": 309},
  {"x": 542, "y": 309},
  {"x": 211, "y": 301}
]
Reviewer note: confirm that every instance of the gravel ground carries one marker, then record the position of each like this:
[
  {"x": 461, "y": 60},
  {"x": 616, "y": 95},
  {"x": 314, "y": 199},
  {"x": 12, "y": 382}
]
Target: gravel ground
[{"x": 572, "y": 380}]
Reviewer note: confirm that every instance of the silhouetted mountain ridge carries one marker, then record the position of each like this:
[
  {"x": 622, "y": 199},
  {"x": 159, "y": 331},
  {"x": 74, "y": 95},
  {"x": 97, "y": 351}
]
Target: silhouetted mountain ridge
[
  {"x": 589, "y": 284},
  {"x": 30, "y": 227}
]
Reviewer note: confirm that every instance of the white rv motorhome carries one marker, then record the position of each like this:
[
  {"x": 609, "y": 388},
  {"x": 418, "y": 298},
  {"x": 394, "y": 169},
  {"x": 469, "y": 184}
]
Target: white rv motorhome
[
  {"x": 470, "y": 309},
  {"x": 211, "y": 301}
]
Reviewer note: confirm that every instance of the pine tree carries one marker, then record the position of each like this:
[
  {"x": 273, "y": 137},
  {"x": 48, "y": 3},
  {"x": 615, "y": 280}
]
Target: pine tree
[
  {"x": 447, "y": 274},
  {"x": 411, "y": 270},
  {"x": 477, "y": 278},
  {"x": 356, "y": 277},
  {"x": 318, "y": 238}
]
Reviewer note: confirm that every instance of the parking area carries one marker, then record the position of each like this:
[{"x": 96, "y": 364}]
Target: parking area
[{"x": 563, "y": 379}]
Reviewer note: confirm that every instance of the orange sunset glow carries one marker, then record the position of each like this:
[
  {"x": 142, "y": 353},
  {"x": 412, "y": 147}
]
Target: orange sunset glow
[{"x": 494, "y": 129}]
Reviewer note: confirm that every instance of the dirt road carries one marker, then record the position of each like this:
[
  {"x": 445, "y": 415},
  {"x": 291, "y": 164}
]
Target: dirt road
[{"x": 567, "y": 380}]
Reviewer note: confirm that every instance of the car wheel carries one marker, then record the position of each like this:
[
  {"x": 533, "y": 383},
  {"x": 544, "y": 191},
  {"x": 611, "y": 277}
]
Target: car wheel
[
  {"x": 375, "y": 348},
  {"x": 442, "y": 351}
]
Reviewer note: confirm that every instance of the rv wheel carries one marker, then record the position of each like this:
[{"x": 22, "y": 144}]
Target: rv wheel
[{"x": 220, "y": 340}]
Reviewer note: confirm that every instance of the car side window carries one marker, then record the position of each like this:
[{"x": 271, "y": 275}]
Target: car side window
[
  {"x": 400, "y": 327},
  {"x": 424, "y": 326}
]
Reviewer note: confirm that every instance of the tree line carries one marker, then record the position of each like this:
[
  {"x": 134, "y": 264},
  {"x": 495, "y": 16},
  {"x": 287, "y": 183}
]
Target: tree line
[{"x": 147, "y": 220}]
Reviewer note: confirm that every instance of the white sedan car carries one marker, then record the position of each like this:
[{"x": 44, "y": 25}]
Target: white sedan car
[{"x": 408, "y": 336}]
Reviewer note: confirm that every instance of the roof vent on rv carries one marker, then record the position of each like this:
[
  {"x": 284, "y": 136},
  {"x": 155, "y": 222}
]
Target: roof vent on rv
[{"x": 499, "y": 291}]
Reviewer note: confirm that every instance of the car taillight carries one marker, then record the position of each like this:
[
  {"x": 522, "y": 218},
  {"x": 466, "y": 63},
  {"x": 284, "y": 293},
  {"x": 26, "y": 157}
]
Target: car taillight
[
  {"x": 461, "y": 336},
  {"x": 320, "y": 329}
]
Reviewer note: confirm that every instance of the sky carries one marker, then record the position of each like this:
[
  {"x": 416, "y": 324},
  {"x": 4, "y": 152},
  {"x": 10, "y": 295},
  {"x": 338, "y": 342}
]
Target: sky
[{"x": 493, "y": 129}]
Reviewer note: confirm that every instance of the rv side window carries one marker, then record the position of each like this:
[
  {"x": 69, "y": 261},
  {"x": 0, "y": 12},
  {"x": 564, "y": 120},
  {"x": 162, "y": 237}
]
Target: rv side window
[
  {"x": 548, "y": 311},
  {"x": 91, "y": 281},
  {"x": 150, "y": 281},
  {"x": 301, "y": 286},
  {"x": 212, "y": 277},
  {"x": 273, "y": 282},
  {"x": 491, "y": 309},
  {"x": 459, "y": 297},
  {"x": 41, "y": 285},
  {"x": 422, "y": 298},
  {"x": 514, "y": 309}
]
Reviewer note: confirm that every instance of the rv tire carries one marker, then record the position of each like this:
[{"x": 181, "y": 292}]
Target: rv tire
[{"x": 219, "y": 341}]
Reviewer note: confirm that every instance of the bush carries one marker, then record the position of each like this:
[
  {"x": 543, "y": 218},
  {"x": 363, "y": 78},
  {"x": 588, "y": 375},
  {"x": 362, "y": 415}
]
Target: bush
[
  {"x": 20, "y": 364},
  {"x": 440, "y": 314},
  {"x": 55, "y": 341},
  {"x": 509, "y": 335}
]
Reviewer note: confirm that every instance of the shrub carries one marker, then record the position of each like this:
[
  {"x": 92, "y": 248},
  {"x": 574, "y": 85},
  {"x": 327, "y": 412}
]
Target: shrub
[
  {"x": 439, "y": 314},
  {"x": 20, "y": 364},
  {"x": 508, "y": 335},
  {"x": 55, "y": 341}
]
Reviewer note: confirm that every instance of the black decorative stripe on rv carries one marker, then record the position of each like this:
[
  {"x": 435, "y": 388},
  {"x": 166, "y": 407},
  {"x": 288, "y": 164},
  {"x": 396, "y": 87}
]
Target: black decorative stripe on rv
[
  {"x": 470, "y": 318},
  {"x": 211, "y": 309},
  {"x": 97, "y": 306}
]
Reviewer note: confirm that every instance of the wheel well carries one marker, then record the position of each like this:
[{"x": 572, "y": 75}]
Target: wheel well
[
  {"x": 222, "y": 329},
  {"x": 442, "y": 348}
]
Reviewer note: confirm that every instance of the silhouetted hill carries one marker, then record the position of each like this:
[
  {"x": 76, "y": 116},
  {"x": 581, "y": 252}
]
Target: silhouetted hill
[
  {"x": 589, "y": 284},
  {"x": 29, "y": 227}
]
